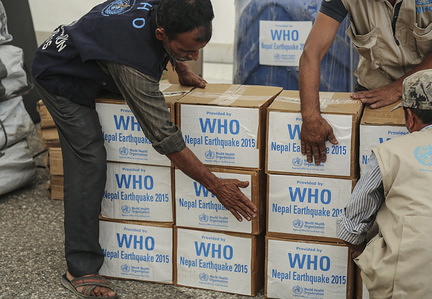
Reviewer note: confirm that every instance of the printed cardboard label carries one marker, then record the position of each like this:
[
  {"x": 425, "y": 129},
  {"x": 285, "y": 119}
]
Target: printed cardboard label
[
  {"x": 222, "y": 136},
  {"x": 281, "y": 43},
  {"x": 124, "y": 138},
  {"x": 196, "y": 207},
  {"x": 137, "y": 251},
  {"x": 306, "y": 205},
  {"x": 138, "y": 192},
  {"x": 306, "y": 270},
  {"x": 214, "y": 261},
  {"x": 284, "y": 147},
  {"x": 371, "y": 136}
]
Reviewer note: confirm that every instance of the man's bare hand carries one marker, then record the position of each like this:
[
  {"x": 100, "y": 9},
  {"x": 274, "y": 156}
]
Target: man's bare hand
[
  {"x": 314, "y": 134},
  {"x": 356, "y": 250},
  {"x": 229, "y": 195},
  {"x": 187, "y": 77},
  {"x": 379, "y": 97}
]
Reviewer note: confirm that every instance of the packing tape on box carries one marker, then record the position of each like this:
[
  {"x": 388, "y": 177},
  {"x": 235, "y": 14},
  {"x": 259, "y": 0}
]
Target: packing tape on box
[{"x": 325, "y": 100}]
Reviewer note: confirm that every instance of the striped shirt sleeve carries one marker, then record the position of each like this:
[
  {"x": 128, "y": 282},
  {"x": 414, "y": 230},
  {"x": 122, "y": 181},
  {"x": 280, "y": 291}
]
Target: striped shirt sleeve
[{"x": 365, "y": 201}]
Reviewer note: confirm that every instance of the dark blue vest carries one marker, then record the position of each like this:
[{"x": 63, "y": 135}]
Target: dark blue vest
[{"x": 121, "y": 31}]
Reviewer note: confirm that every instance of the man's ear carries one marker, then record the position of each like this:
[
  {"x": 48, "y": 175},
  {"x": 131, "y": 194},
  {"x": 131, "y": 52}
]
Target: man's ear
[
  {"x": 160, "y": 33},
  {"x": 411, "y": 121}
]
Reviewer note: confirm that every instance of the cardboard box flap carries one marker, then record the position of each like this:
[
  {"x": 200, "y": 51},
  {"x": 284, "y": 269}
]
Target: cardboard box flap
[
  {"x": 330, "y": 102},
  {"x": 171, "y": 92},
  {"x": 247, "y": 96},
  {"x": 383, "y": 116}
]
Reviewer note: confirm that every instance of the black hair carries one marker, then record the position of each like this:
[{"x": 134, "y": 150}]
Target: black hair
[
  {"x": 424, "y": 115},
  {"x": 179, "y": 16}
]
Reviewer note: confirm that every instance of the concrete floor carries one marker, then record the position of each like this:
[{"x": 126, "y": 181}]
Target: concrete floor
[{"x": 31, "y": 247}]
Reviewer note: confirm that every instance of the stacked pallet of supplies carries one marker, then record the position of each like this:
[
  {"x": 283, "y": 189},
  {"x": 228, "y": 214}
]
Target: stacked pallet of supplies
[
  {"x": 50, "y": 141},
  {"x": 224, "y": 125},
  {"x": 303, "y": 255},
  {"x": 137, "y": 211},
  {"x": 376, "y": 127}
]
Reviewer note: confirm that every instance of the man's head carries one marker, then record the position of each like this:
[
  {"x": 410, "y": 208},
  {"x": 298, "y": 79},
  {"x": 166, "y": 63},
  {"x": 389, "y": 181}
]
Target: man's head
[
  {"x": 417, "y": 99},
  {"x": 184, "y": 26}
]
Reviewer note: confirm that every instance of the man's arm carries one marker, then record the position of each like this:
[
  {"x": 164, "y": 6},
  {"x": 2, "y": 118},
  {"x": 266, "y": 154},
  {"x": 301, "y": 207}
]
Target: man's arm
[
  {"x": 391, "y": 93},
  {"x": 226, "y": 190},
  {"x": 315, "y": 130},
  {"x": 360, "y": 212},
  {"x": 187, "y": 77}
]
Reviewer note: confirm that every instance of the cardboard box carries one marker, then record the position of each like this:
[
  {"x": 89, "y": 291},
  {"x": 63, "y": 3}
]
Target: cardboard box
[
  {"x": 137, "y": 250},
  {"x": 124, "y": 139},
  {"x": 138, "y": 192},
  {"x": 224, "y": 124},
  {"x": 304, "y": 207},
  {"x": 377, "y": 126},
  {"x": 361, "y": 292},
  {"x": 225, "y": 262},
  {"x": 49, "y": 137},
  {"x": 46, "y": 120},
  {"x": 196, "y": 207},
  {"x": 55, "y": 161},
  {"x": 56, "y": 187},
  {"x": 296, "y": 269},
  {"x": 283, "y": 137}
]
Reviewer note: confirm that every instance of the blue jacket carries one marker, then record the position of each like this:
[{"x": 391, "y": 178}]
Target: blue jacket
[{"x": 122, "y": 31}]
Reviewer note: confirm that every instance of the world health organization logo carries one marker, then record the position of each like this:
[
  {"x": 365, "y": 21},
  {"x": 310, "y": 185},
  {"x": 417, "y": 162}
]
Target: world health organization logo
[
  {"x": 203, "y": 277},
  {"x": 126, "y": 209},
  {"x": 125, "y": 268},
  {"x": 297, "y": 161},
  {"x": 203, "y": 218},
  {"x": 210, "y": 154},
  {"x": 123, "y": 151},
  {"x": 423, "y": 154},
  {"x": 297, "y": 290},
  {"x": 298, "y": 223},
  {"x": 118, "y": 7}
]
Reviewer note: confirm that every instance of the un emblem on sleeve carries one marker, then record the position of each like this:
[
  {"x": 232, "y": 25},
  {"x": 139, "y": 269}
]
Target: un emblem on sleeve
[
  {"x": 118, "y": 7},
  {"x": 423, "y": 154}
]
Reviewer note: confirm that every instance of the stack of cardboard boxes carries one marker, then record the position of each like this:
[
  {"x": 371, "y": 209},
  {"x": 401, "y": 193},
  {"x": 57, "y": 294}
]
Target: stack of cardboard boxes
[
  {"x": 137, "y": 212},
  {"x": 224, "y": 125},
  {"x": 159, "y": 225},
  {"x": 50, "y": 141},
  {"x": 304, "y": 200}
]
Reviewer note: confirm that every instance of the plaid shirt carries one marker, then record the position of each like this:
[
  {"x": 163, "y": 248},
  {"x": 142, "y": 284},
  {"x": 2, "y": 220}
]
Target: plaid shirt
[{"x": 147, "y": 102}]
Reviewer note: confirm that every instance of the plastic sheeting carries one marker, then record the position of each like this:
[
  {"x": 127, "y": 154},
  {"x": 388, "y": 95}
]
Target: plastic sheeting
[
  {"x": 13, "y": 77},
  {"x": 337, "y": 66},
  {"x": 15, "y": 122},
  {"x": 17, "y": 167}
]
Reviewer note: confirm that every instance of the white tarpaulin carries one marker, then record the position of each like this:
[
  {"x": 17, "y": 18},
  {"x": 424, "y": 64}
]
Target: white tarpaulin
[
  {"x": 17, "y": 167},
  {"x": 15, "y": 122}
]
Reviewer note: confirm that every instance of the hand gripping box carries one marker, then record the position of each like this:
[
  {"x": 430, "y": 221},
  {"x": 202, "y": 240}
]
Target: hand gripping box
[
  {"x": 196, "y": 207},
  {"x": 283, "y": 136},
  {"x": 298, "y": 269},
  {"x": 305, "y": 207},
  {"x": 138, "y": 192},
  {"x": 124, "y": 138},
  {"x": 379, "y": 125},
  {"x": 224, "y": 125},
  {"x": 137, "y": 250},
  {"x": 225, "y": 262}
]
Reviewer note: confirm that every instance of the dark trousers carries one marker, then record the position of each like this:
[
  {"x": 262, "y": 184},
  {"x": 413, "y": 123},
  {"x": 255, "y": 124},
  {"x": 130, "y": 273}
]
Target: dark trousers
[{"x": 84, "y": 164}]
